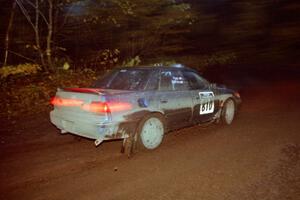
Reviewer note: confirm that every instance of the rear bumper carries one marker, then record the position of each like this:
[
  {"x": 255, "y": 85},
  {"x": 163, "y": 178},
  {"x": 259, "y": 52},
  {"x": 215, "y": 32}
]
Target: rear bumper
[{"x": 85, "y": 127}]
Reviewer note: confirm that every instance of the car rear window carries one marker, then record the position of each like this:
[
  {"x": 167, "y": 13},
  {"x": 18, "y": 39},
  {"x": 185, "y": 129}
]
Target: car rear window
[{"x": 124, "y": 79}]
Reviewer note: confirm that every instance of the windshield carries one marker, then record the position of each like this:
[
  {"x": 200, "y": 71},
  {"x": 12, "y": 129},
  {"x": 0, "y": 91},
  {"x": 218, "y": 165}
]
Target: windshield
[{"x": 124, "y": 79}]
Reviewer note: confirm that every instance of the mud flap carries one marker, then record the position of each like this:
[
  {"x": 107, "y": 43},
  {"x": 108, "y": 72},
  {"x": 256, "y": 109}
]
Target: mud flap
[
  {"x": 129, "y": 145},
  {"x": 217, "y": 116},
  {"x": 99, "y": 141}
]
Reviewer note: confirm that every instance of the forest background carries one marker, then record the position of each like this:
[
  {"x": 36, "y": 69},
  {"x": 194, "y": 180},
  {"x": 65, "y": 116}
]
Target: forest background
[{"x": 47, "y": 44}]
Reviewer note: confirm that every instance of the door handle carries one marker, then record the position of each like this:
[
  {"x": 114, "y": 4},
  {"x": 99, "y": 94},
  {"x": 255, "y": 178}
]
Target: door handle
[{"x": 163, "y": 101}]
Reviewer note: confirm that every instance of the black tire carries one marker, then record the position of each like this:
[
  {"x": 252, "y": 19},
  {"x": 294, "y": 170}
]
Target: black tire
[
  {"x": 228, "y": 112},
  {"x": 141, "y": 140}
]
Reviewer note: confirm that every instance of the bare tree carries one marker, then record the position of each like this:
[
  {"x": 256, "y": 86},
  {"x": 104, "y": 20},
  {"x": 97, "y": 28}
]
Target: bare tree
[
  {"x": 36, "y": 31},
  {"x": 10, "y": 23},
  {"x": 35, "y": 24},
  {"x": 49, "y": 35}
]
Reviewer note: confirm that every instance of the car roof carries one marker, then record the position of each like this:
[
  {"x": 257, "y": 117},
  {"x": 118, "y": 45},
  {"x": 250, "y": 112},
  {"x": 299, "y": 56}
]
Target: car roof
[{"x": 159, "y": 66}]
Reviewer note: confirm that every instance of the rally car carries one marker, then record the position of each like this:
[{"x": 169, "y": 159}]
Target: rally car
[{"x": 141, "y": 104}]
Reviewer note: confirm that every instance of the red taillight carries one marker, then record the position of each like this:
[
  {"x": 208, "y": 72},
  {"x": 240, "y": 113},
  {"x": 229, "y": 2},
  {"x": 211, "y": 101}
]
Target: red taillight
[
  {"x": 53, "y": 101},
  {"x": 117, "y": 107},
  {"x": 96, "y": 107},
  {"x": 106, "y": 107},
  {"x": 56, "y": 101}
]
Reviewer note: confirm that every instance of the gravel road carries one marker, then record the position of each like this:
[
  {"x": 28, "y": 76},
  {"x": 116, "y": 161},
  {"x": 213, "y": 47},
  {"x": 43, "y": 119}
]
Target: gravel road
[{"x": 257, "y": 157}]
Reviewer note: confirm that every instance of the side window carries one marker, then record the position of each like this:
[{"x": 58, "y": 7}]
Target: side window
[
  {"x": 195, "y": 81},
  {"x": 152, "y": 83},
  {"x": 171, "y": 80}
]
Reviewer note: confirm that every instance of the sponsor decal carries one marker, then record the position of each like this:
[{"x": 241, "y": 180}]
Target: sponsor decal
[{"x": 207, "y": 102}]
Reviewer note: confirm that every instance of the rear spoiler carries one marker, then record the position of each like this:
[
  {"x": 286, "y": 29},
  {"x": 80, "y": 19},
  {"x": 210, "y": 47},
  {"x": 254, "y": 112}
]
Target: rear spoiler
[{"x": 81, "y": 90}]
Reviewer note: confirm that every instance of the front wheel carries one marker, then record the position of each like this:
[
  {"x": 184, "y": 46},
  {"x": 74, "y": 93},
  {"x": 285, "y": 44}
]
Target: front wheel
[
  {"x": 150, "y": 132},
  {"x": 228, "y": 112}
]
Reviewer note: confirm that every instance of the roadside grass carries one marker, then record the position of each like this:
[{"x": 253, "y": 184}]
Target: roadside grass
[{"x": 29, "y": 94}]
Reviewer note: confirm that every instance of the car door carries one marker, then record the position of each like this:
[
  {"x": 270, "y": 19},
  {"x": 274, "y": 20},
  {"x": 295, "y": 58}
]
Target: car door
[
  {"x": 174, "y": 98},
  {"x": 205, "y": 103}
]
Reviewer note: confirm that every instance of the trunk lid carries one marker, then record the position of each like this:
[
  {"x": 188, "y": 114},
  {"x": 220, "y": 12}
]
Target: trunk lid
[{"x": 81, "y": 101}]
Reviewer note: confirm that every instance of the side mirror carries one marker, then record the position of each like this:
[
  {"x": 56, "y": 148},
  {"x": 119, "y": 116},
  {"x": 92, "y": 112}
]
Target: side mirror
[{"x": 212, "y": 85}]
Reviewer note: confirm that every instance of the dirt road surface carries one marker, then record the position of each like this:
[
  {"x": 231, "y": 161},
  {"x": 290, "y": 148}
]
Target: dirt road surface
[{"x": 257, "y": 157}]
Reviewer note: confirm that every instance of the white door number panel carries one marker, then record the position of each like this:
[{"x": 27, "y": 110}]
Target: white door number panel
[{"x": 207, "y": 102}]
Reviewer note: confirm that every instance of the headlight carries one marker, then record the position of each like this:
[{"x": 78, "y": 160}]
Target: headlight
[{"x": 236, "y": 94}]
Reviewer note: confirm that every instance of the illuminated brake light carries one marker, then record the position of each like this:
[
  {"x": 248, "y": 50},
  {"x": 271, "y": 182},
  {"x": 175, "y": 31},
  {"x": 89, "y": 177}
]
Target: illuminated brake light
[
  {"x": 117, "y": 107},
  {"x": 56, "y": 101},
  {"x": 96, "y": 107},
  {"x": 103, "y": 107}
]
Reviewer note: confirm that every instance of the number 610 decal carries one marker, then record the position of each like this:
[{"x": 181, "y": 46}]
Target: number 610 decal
[{"x": 207, "y": 102}]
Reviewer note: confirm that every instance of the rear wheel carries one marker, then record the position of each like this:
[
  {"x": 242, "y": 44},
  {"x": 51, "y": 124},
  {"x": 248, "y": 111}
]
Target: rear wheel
[
  {"x": 150, "y": 132},
  {"x": 228, "y": 112}
]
